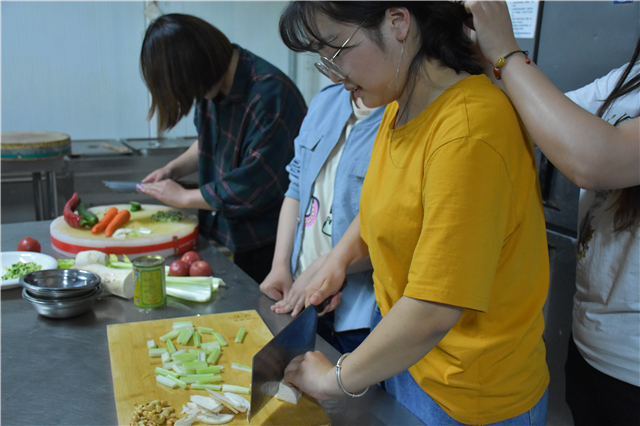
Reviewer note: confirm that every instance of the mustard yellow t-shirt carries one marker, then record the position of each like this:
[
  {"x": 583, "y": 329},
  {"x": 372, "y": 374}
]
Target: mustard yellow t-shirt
[{"x": 452, "y": 213}]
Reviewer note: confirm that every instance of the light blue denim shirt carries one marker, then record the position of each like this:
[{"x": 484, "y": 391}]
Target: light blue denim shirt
[{"x": 328, "y": 113}]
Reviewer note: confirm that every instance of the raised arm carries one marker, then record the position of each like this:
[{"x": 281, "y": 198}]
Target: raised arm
[{"x": 589, "y": 151}]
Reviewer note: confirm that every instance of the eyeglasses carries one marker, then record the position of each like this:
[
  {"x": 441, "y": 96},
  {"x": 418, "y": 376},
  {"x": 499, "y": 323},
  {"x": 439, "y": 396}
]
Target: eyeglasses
[{"x": 327, "y": 66}]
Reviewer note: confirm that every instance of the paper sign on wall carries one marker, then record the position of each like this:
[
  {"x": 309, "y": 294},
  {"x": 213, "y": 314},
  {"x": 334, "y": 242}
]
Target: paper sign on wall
[{"x": 524, "y": 15}]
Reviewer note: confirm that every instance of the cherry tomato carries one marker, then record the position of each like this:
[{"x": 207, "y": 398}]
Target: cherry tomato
[
  {"x": 190, "y": 257},
  {"x": 200, "y": 268},
  {"x": 178, "y": 269},
  {"x": 29, "y": 244}
]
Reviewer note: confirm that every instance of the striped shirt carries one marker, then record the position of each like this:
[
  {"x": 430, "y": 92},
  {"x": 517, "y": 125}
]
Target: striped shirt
[{"x": 245, "y": 142}]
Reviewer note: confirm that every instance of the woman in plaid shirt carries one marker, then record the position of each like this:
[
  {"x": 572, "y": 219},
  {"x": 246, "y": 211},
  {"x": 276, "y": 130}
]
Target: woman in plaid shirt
[{"x": 247, "y": 116}]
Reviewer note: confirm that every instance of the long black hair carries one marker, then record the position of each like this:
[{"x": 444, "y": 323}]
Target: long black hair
[
  {"x": 627, "y": 204},
  {"x": 440, "y": 25}
]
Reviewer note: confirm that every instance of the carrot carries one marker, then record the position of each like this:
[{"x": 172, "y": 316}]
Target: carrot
[
  {"x": 102, "y": 225},
  {"x": 121, "y": 218}
]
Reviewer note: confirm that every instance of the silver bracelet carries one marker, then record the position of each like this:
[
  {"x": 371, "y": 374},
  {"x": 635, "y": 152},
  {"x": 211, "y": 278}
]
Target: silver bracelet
[{"x": 338, "y": 367}]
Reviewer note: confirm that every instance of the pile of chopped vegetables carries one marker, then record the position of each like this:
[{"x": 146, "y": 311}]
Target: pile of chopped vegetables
[
  {"x": 167, "y": 216},
  {"x": 19, "y": 269}
]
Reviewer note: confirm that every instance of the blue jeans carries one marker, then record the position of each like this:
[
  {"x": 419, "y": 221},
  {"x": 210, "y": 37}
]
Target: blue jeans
[{"x": 407, "y": 392}]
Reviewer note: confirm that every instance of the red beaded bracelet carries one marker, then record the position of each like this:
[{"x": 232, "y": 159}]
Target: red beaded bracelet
[{"x": 500, "y": 63}]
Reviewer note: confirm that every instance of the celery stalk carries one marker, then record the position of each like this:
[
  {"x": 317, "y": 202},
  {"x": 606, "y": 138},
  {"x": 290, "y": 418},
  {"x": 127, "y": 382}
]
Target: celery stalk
[
  {"x": 185, "y": 335},
  {"x": 195, "y": 364},
  {"x": 241, "y": 367},
  {"x": 213, "y": 369},
  {"x": 240, "y": 335},
  {"x": 165, "y": 381},
  {"x": 219, "y": 338},
  {"x": 196, "y": 339},
  {"x": 165, "y": 372},
  {"x": 203, "y": 387},
  {"x": 156, "y": 352},
  {"x": 177, "y": 381},
  {"x": 120, "y": 265},
  {"x": 235, "y": 389},
  {"x": 170, "y": 335},
  {"x": 213, "y": 356},
  {"x": 209, "y": 346},
  {"x": 205, "y": 330},
  {"x": 170, "y": 347},
  {"x": 180, "y": 324},
  {"x": 185, "y": 356},
  {"x": 201, "y": 378}
]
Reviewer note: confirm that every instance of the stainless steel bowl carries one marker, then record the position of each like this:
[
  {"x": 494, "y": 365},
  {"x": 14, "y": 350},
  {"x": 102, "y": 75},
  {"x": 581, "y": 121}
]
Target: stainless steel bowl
[
  {"x": 60, "y": 283},
  {"x": 63, "y": 308}
]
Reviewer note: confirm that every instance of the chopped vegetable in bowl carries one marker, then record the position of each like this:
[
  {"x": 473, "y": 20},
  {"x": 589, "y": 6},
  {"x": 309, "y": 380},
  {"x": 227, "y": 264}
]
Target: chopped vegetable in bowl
[{"x": 19, "y": 269}]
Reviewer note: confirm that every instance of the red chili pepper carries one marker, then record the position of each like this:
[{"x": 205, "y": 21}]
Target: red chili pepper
[{"x": 69, "y": 216}]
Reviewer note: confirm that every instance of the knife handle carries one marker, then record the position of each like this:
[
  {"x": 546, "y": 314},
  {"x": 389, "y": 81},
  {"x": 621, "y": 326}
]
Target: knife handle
[{"x": 325, "y": 302}]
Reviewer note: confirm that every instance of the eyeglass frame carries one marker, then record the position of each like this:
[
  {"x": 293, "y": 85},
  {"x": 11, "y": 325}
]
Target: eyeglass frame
[{"x": 327, "y": 65}]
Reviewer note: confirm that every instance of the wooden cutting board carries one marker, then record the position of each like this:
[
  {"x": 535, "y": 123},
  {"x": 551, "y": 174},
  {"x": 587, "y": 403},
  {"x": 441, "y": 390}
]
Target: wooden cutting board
[
  {"x": 165, "y": 239},
  {"x": 134, "y": 382}
]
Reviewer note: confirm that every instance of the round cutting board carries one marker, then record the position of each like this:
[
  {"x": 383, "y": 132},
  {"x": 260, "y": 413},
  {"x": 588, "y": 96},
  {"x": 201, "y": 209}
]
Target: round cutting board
[
  {"x": 165, "y": 239},
  {"x": 20, "y": 146}
]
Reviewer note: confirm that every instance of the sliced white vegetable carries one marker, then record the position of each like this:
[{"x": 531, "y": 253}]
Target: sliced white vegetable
[
  {"x": 193, "y": 291},
  {"x": 151, "y": 344},
  {"x": 288, "y": 393},
  {"x": 207, "y": 403},
  {"x": 89, "y": 257},
  {"x": 223, "y": 400},
  {"x": 121, "y": 233},
  {"x": 240, "y": 402},
  {"x": 210, "y": 345},
  {"x": 144, "y": 230},
  {"x": 118, "y": 282},
  {"x": 166, "y": 357},
  {"x": 187, "y": 421},
  {"x": 215, "y": 419}
]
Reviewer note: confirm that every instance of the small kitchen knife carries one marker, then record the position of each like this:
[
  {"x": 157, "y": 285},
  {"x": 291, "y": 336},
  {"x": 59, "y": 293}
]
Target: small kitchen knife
[{"x": 269, "y": 363}]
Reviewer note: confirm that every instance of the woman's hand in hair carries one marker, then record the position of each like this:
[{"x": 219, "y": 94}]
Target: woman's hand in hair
[{"x": 494, "y": 32}]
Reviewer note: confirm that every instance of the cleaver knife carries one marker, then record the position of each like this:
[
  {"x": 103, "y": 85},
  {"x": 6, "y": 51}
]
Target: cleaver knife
[
  {"x": 298, "y": 337},
  {"x": 130, "y": 187}
]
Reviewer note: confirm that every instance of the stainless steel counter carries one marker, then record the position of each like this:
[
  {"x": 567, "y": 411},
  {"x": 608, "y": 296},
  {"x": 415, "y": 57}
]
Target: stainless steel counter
[{"x": 57, "y": 371}]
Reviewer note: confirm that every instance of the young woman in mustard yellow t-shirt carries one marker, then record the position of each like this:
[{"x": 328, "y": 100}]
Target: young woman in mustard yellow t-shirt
[{"x": 450, "y": 216}]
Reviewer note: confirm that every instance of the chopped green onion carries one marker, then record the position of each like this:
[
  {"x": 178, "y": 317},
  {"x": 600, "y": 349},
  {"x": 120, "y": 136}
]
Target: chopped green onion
[
  {"x": 203, "y": 387},
  {"x": 156, "y": 352},
  {"x": 170, "y": 347},
  {"x": 219, "y": 338},
  {"x": 196, "y": 339},
  {"x": 170, "y": 335},
  {"x": 241, "y": 367},
  {"x": 213, "y": 369},
  {"x": 240, "y": 335},
  {"x": 205, "y": 330},
  {"x": 213, "y": 356},
  {"x": 235, "y": 389},
  {"x": 151, "y": 344}
]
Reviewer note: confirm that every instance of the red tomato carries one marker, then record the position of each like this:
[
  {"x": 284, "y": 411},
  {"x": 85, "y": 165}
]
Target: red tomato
[
  {"x": 200, "y": 268},
  {"x": 190, "y": 257},
  {"x": 179, "y": 269},
  {"x": 29, "y": 244}
]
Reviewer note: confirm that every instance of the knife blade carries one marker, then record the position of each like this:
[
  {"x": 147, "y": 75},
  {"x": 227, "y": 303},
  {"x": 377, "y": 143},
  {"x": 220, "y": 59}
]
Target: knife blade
[
  {"x": 269, "y": 363},
  {"x": 131, "y": 187},
  {"x": 122, "y": 187}
]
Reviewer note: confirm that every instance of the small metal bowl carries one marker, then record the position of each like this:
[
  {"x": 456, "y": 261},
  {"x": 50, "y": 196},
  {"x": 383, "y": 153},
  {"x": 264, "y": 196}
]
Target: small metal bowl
[
  {"x": 60, "y": 283},
  {"x": 63, "y": 308}
]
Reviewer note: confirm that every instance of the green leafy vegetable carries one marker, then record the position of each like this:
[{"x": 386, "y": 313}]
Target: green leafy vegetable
[
  {"x": 66, "y": 263},
  {"x": 167, "y": 216},
  {"x": 19, "y": 269}
]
